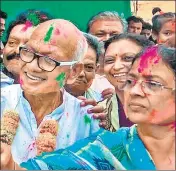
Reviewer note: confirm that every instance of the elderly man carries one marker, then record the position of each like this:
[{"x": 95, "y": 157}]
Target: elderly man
[
  {"x": 48, "y": 117},
  {"x": 106, "y": 24}
]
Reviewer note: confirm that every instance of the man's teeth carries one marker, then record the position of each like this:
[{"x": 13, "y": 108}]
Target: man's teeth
[
  {"x": 34, "y": 78},
  {"x": 119, "y": 75}
]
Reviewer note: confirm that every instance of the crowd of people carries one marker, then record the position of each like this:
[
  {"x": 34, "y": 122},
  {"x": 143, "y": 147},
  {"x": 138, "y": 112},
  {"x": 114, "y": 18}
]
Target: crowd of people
[{"x": 103, "y": 99}]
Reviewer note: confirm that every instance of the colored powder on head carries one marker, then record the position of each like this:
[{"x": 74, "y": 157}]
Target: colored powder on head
[
  {"x": 65, "y": 36},
  {"x": 87, "y": 120},
  {"x": 57, "y": 31},
  {"x": 60, "y": 78},
  {"x": 149, "y": 57},
  {"x": 27, "y": 25},
  {"x": 33, "y": 18},
  {"x": 48, "y": 34}
]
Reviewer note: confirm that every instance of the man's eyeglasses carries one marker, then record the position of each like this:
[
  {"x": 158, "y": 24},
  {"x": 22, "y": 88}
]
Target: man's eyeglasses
[
  {"x": 148, "y": 87},
  {"x": 44, "y": 62}
]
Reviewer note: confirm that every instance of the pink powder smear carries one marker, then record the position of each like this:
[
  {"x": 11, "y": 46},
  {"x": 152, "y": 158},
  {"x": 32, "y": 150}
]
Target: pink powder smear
[
  {"x": 27, "y": 25},
  {"x": 57, "y": 31},
  {"x": 149, "y": 57},
  {"x": 21, "y": 82}
]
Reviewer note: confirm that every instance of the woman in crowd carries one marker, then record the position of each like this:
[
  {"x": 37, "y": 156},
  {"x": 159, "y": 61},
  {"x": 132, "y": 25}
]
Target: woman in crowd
[
  {"x": 142, "y": 146},
  {"x": 163, "y": 27}
]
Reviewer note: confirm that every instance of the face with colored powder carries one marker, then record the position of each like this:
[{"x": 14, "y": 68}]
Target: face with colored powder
[
  {"x": 167, "y": 32},
  {"x": 104, "y": 29},
  {"x": 85, "y": 78},
  {"x": 146, "y": 102},
  {"x": 50, "y": 46},
  {"x": 117, "y": 61},
  {"x": 17, "y": 38}
]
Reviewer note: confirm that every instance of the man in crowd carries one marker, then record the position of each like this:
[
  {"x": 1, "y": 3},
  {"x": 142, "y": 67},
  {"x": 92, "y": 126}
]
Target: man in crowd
[
  {"x": 104, "y": 25},
  {"x": 3, "y": 17},
  {"x": 18, "y": 34},
  {"x": 48, "y": 60},
  {"x": 146, "y": 30},
  {"x": 135, "y": 24}
]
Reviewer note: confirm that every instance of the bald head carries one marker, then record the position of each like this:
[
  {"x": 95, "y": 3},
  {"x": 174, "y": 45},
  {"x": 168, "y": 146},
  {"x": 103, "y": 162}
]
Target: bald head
[{"x": 61, "y": 37}]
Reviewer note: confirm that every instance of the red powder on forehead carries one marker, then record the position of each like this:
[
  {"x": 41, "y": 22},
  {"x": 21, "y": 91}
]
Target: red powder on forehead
[
  {"x": 149, "y": 58},
  {"x": 27, "y": 25},
  {"x": 173, "y": 25}
]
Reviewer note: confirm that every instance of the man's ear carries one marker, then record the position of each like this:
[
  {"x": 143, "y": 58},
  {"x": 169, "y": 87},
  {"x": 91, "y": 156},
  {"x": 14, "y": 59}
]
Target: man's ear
[
  {"x": 97, "y": 67},
  {"x": 74, "y": 73},
  {"x": 154, "y": 35}
]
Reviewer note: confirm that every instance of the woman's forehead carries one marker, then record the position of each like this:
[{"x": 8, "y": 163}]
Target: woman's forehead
[{"x": 159, "y": 69}]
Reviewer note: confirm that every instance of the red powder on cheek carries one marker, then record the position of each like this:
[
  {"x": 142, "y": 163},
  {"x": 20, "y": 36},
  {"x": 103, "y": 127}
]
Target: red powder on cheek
[
  {"x": 21, "y": 82},
  {"x": 152, "y": 114}
]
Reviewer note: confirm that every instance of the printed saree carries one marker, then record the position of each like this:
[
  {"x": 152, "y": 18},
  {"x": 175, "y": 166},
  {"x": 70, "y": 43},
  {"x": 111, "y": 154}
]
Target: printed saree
[{"x": 120, "y": 150}]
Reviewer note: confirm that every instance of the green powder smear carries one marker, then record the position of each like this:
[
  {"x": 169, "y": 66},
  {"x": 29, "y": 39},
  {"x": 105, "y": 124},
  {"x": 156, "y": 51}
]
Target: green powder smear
[
  {"x": 33, "y": 18},
  {"x": 49, "y": 34},
  {"x": 60, "y": 78},
  {"x": 87, "y": 120}
]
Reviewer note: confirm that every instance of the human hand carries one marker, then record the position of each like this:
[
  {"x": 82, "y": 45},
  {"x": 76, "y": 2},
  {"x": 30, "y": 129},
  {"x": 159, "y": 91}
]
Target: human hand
[
  {"x": 7, "y": 162},
  {"x": 97, "y": 110}
]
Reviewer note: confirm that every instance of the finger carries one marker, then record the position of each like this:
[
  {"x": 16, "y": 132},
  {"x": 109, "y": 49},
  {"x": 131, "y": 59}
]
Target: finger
[
  {"x": 100, "y": 116},
  {"x": 107, "y": 96},
  {"x": 81, "y": 98},
  {"x": 96, "y": 109},
  {"x": 102, "y": 124},
  {"x": 88, "y": 102},
  {"x": 107, "y": 92}
]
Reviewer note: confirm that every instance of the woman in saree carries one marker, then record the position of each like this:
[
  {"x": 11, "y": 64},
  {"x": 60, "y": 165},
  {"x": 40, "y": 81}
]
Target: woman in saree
[{"x": 150, "y": 143}]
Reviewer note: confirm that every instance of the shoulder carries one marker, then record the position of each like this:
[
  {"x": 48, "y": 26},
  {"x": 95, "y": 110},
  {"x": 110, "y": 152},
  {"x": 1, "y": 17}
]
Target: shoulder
[
  {"x": 119, "y": 137},
  {"x": 5, "y": 80},
  {"x": 11, "y": 91}
]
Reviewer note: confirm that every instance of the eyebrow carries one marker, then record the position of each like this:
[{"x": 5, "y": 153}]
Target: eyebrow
[{"x": 146, "y": 76}]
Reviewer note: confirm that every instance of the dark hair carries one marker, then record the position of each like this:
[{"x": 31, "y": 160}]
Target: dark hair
[
  {"x": 159, "y": 20},
  {"x": 94, "y": 44},
  {"x": 107, "y": 15},
  {"x": 22, "y": 18},
  {"x": 135, "y": 19},
  {"x": 3, "y": 14},
  {"x": 138, "y": 39},
  {"x": 146, "y": 26},
  {"x": 155, "y": 10},
  {"x": 166, "y": 53}
]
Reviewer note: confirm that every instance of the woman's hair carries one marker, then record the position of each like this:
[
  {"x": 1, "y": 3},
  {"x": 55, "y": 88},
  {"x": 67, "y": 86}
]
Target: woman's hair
[
  {"x": 167, "y": 54},
  {"x": 138, "y": 39},
  {"x": 159, "y": 20}
]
